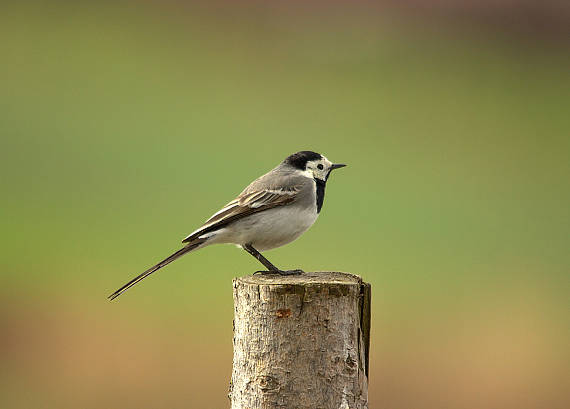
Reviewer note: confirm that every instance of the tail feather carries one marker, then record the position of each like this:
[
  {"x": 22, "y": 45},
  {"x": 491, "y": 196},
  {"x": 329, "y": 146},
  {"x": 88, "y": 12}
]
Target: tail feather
[{"x": 156, "y": 267}]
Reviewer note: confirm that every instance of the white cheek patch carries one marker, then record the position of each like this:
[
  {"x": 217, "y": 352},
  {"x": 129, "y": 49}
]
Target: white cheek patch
[{"x": 315, "y": 172}]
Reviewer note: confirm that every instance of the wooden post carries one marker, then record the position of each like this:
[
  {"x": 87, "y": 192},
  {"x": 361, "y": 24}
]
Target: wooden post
[{"x": 301, "y": 342}]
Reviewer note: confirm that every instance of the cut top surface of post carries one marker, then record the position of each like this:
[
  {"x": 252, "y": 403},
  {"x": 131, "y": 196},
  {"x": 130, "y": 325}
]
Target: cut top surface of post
[{"x": 315, "y": 277}]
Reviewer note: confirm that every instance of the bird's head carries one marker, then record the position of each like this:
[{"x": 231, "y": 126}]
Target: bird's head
[{"x": 312, "y": 164}]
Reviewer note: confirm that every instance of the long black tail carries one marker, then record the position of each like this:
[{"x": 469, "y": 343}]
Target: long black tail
[{"x": 156, "y": 267}]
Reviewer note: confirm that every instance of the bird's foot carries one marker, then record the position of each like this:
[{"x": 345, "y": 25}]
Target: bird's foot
[
  {"x": 291, "y": 272},
  {"x": 280, "y": 272}
]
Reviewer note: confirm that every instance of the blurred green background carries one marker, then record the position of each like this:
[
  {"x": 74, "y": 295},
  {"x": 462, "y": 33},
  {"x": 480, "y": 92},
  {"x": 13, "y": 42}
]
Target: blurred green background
[{"x": 125, "y": 125}]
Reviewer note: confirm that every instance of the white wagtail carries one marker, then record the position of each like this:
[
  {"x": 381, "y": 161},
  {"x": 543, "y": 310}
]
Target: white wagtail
[{"x": 273, "y": 210}]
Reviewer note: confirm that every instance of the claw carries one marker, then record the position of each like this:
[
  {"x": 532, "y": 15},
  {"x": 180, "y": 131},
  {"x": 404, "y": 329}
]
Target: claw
[{"x": 291, "y": 272}]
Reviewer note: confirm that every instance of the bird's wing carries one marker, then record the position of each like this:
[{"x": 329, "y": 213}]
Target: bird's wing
[{"x": 245, "y": 204}]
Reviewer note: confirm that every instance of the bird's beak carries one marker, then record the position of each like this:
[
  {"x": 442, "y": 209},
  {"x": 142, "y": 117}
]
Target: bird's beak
[{"x": 337, "y": 165}]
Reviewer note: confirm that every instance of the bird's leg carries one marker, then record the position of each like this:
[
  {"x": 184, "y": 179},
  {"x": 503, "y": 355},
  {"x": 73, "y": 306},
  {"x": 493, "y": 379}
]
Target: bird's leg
[
  {"x": 251, "y": 250},
  {"x": 270, "y": 267}
]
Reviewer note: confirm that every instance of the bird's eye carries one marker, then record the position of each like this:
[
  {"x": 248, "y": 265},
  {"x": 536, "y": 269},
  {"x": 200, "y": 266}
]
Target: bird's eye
[{"x": 320, "y": 166}]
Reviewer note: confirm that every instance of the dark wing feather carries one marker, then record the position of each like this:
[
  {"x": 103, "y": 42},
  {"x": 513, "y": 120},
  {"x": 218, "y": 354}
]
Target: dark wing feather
[{"x": 244, "y": 205}]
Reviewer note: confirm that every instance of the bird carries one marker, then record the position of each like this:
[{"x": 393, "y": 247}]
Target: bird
[{"x": 273, "y": 210}]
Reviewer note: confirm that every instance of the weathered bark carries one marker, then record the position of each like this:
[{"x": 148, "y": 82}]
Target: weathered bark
[{"x": 301, "y": 342}]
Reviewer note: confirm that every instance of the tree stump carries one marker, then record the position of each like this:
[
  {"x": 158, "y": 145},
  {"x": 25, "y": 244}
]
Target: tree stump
[{"x": 301, "y": 342}]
